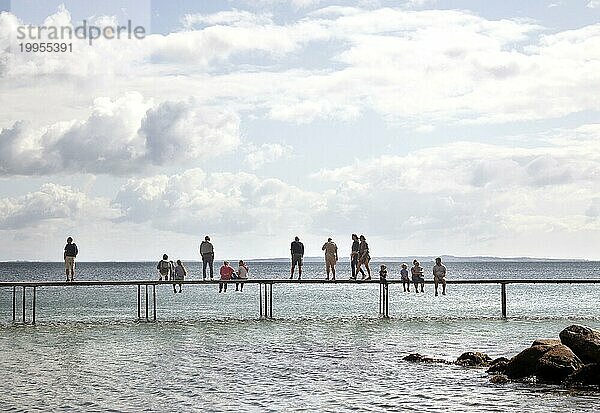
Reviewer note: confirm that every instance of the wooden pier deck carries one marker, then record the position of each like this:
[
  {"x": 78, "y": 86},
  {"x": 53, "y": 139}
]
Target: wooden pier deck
[{"x": 265, "y": 290}]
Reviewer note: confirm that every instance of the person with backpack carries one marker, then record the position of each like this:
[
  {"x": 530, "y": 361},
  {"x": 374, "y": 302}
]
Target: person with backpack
[
  {"x": 165, "y": 268},
  {"x": 69, "y": 255},
  {"x": 207, "y": 252}
]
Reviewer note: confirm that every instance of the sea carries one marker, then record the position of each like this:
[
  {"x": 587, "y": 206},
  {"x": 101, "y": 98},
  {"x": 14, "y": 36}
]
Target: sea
[{"x": 326, "y": 350}]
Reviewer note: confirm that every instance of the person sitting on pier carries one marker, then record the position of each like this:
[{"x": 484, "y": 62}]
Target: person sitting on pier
[
  {"x": 364, "y": 257},
  {"x": 180, "y": 274},
  {"x": 417, "y": 276},
  {"x": 404, "y": 278},
  {"x": 439, "y": 275},
  {"x": 331, "y": 257},
  {"x": 383, "y": 272},
  {"x": 297, "y": 251},
  {"x": 226, "y": 274},
  {"x": 165, "y": 268},
  {"x": 69, "y": 255},
  {"x": 242, "y": 274},
  {"x": 207, "y": 252}
]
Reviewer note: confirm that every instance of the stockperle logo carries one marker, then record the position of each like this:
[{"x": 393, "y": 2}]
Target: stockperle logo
[{"x": 84, "y": 31}]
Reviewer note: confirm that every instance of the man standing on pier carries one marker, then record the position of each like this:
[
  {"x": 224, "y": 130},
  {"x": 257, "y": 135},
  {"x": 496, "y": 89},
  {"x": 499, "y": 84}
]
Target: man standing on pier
[
  {"x": 208, "y": 257},
  {"x": 331, "y": 257},
  {"x": 71, "y": 252},
  {"x": 297, "y": 250},
  {"x": 354, "y": 257},
  {"x": 439, "y": 275}
]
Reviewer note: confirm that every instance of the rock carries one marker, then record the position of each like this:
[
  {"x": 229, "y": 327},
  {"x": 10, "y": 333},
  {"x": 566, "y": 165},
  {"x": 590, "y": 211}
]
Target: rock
[
  {"x": 419, "y": 358},
  {"x": 584, "y": 342},
  {"x": 499, "y": 379},
  {"x": 475, "y": 359},
  {"x": 556, "y": 364},
  {"x": 588, "y": 375},
  {"x": 546, "y": 342},
  {"x": 525, "y": 363},
  {"x": 498, "y": 365}
]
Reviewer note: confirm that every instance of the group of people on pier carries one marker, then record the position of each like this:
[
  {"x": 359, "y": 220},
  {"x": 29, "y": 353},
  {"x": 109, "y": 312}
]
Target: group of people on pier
[{"x": 359, "y": 257}]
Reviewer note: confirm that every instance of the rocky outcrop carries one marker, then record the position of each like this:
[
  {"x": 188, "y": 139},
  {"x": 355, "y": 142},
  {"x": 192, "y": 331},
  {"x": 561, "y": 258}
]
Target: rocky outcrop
[
  {"x": 588, "y": 375},
  {"x": 473, "y": 359},
  {"x": 498, "y": 365},
  {"x": 584, "y": 341},
  {"x": 525, "y": 363},
  {"x": 546, "y": 342},
  {"x": 419, "y": 358},
  {"x": 556, "y": 364}
]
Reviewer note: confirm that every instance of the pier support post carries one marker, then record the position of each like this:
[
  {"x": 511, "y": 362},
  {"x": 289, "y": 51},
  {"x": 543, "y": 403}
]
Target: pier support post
[
  {"x": 384, "y": 303},
  {"x": 260, "y": 305},
  {"x": 139, "y": 301},
  {"x": 23, "y": 304},
  {"x": 503, "y": 294},
  {"x": 154, "y": 299},
  {"x": 146, "y": 302},
  {"x": 33, "y": 309},
  {"x": 14, "y": 303},
  {"x": 271, "y": 301}
]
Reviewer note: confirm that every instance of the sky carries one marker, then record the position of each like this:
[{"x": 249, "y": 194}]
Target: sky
[{"x": 432, "y": 127}]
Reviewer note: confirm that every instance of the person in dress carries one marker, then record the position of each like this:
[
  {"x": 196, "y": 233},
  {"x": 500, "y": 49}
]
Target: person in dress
[
  {"x": 180, "y": 274},
  {"x": 439, "y": 275},
  {"x": 354, "y": 257},
  {"x": 364, "y": 257},
  {"x": 404, "y": 278},
  {"x": 242, "y": 274},
  {"x": 226, "y": 274},
  {"x": 417, "y": 276}
]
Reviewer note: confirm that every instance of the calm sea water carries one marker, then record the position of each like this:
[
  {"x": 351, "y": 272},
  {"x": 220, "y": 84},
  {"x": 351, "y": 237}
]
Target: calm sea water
[{"x": 326, "y": 350}]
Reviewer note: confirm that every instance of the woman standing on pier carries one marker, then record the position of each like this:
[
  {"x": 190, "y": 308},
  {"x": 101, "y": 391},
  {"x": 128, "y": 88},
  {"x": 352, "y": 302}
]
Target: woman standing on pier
[{"x": 364, "y": 257}]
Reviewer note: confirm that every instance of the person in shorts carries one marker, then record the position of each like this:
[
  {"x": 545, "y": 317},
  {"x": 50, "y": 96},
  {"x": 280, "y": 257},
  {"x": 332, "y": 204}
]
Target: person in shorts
[
  {"x": 165, "y": 268},
  {"x": 331, "y": 257},
  {"x": 297, "y": 251},
  {"x": 439, "y": 275},
  {"x": 226, "y": 274},
  {"x": 69, "y": 255},
  {"x": 179, "y": 274}
]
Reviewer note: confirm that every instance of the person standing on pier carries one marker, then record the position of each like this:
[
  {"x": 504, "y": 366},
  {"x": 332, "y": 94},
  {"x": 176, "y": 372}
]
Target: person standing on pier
[
  {"x": 439, "y": 275},
  {"x": 207, "y": 252},
  {"x": 354, "y": 258},
  {"x": 364, "y": 257},
  {"x": 297, "y": 251},
  {"x": 331, "y": 257},
  {"x": 69, "y": 255}
]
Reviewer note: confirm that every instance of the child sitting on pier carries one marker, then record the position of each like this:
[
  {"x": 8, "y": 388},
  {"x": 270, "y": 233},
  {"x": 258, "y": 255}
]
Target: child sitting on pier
[
  {"x": 417, "y": 276},
  {"x": 404, "y": 278},
  {"x": 383, "y": 272}
]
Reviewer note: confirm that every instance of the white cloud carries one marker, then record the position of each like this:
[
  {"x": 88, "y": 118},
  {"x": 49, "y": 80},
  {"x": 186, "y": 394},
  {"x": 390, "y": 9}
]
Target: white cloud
[
  {"x": 196, "y": 202},
  {"x": 257, "y": 157},
  {"x": 120, "y": 136},
  {"x": 594, "y": 4},
  {"x": 52, "y": 203}
]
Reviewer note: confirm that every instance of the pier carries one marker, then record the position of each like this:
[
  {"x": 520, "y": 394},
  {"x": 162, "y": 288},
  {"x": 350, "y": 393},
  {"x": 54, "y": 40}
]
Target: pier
[{"x": 146, "y": 288}]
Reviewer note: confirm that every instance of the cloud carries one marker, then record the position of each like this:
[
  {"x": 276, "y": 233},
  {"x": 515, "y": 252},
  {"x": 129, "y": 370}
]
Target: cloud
[
  {"x": 594, "y": 4},
  {"x": 266, "y": 153},
  {"x": 120, "y": 136},
  {"x": 52, "y": 203},
  {"x": 197, "y": 202}
]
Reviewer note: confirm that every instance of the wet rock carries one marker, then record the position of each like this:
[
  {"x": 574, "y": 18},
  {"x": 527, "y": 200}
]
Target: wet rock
[
  {"x": 498, "y": 365},
  {"x": 584, "y": 341},
  {"x": 499, "y": 379},
  {"x": 525, "y": 363},
  {"x": 546, "y": 342},
  {"x": 419, "y": 358},
  {"x": 556, "y": 364},
  {"x": 474, "y": 359},
  {"x": 588, "y": 375}
]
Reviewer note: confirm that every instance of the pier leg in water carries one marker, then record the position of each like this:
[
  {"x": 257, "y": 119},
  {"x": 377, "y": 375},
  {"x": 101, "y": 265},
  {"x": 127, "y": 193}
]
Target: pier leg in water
[
  {"x": 146, "y": 302},
  {"x": 271, "y": 301},
  {"x": 14, "y": 303},
  {"x": 33, "y": 309},
  {"x": 154, "y": 300},
  {"x": 23, "y": 304},
  {"x": 139, "y": 301},
  {"x": 260, "y": 299},
  {"x": 503, "y": 293}
]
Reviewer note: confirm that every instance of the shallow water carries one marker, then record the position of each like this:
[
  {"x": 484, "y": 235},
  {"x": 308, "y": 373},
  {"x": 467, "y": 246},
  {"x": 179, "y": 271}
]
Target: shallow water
[{"x": 326, "y": 350}]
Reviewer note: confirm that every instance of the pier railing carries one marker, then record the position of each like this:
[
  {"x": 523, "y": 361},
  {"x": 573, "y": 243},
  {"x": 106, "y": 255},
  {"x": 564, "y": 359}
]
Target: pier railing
[{"x": 265, "y": 290}]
